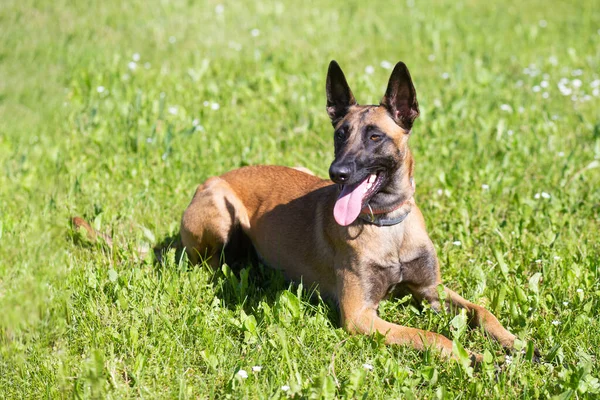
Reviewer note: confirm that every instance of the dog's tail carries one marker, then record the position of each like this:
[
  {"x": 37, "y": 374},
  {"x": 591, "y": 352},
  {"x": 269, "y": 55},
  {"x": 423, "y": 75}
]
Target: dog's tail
[{"x": 81, "y": 225}]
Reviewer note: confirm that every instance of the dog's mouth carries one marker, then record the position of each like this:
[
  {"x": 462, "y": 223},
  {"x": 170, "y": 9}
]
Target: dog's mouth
[{"x": 353, "y": 198}]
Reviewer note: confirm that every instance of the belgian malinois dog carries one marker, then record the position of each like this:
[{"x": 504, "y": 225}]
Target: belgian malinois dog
[{"x": 359, "y": 236}]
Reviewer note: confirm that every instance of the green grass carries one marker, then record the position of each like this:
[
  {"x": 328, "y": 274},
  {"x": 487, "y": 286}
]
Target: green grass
[{"x": 78, "y": 320}]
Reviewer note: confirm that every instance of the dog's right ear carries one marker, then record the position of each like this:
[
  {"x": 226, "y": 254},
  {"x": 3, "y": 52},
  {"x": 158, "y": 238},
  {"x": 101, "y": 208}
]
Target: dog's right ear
[{"x": 339, "y": 95}]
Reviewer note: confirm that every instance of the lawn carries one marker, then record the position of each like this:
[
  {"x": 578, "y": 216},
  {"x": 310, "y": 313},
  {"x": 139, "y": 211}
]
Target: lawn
[{"x": 116, "y": 111}]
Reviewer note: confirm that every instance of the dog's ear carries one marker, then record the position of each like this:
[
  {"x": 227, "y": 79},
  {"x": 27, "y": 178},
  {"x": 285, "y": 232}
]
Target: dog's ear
[
  {"x": 401, "y": 97},
  {"x": 339, "y": 95}
]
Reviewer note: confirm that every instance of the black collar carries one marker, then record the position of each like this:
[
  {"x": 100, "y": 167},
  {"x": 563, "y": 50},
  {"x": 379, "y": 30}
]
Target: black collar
[{"x": 383, "y": 219}]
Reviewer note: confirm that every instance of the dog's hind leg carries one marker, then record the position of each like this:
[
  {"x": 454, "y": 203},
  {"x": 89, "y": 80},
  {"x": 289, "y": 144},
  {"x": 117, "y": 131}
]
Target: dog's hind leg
[
  {"x": 214, "y": 216},
  {"x": 478, "y": 315}
]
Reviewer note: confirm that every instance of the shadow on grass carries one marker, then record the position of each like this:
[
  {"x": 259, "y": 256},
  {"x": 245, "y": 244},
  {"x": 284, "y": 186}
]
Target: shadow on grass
[{"x": 241, "y": 281}]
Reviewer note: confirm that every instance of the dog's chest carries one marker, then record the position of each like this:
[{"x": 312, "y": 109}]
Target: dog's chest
[
  {"x": 380, "y": 278},
  {"x": 387, "y": 261}
]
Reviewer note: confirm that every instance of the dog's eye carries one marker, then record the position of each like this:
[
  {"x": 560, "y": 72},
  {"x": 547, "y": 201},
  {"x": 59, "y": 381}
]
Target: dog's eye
[
  {"x": 340, "y": 134},
  {"x": 375, "y": 137}
]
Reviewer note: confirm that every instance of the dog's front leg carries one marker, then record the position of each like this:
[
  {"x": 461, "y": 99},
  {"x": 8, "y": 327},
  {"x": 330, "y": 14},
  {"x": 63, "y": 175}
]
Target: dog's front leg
[
  {"x": 359, "y": 315},
  {"x": 478, "y": 315}
]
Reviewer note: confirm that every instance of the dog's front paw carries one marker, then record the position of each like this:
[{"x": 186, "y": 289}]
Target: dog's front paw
[{"x": 476, "y": 360}]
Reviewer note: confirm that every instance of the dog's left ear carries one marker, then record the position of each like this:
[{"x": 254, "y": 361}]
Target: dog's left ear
[{"x": 401, "y": 97}]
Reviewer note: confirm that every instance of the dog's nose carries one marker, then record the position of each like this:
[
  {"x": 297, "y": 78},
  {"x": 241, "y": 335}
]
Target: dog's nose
[{"x": 339, "y": 173}]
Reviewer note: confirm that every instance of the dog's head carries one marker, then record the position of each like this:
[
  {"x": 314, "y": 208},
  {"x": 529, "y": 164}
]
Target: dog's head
[{"x": 372, "y": 164}]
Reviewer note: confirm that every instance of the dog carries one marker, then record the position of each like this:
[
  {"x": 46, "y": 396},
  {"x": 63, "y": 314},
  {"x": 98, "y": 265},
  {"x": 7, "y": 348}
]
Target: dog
[{"x": 359, "y": 236}]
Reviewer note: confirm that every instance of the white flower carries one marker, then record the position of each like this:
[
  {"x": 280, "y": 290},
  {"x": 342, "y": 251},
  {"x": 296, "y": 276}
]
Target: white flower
[
  {"x": 386, "y": 64},
  {"x": 580, "y": 290},
  {"x": 521, "y": 110},
  {"x": 172, "y": 39},
  {"x": 595, "y": 83},
  {"x": 538, "y": 261},
  {"x": 565, "y": 90},
  {"x": 285, "y": 388},
  {"x": 561, "y": 153},
  {"x": 545, "y": 195},
  {"x": 556, "y": 258},
  {"x": 485, "y": 186},
  {"x": 544, "y": 84},
  {"x": 255, "y": 32},
  {"x": 536, "y": 196},
  {"x": 431, "y": 57},
  {"x": 135, "y": 57},
  {"x": 147, "y": 65},
  {"x": 457, "y": 243},
  {"x": 440, "y": 192},
  {"x": 543, "y": 23},
  {"x": 508, "y": 359},
  {"x": 368, "y": 367},
  {"x": 506, "y": 107},
  {"x": 256, "y": 368},
  {"x": 545, "y": 95},
  {"x": 553, "y": 60},
  {"x": 219, "y": 8},
  {"x": 509, "y": 132},
  {"x": 531, "y": 70},
  {"x": 215, "y": 106},
  {"x": 195, "y": 122},
  {"x": 242, "y": 374},
  {"x": 369, "y": 69},
  {"x": 576, "y": 83},
  {"x": 132, "y": 65},
  {"x": 205, "y": 103},
  {"x": 149, "y": 140},
  {"x": 536, "y": 88},
  {"x": 445, "y": 75},
  {"x": 556, "y": 322},
  {"x": 565, "y": 303},
  {"x": 100, "y": 89},
  {"x": 577, "y": 72},
  {"x": 173, "y": 110}
]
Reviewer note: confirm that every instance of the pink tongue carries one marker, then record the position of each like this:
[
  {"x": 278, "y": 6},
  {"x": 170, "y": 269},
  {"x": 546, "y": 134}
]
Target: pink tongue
[{"x": 349, "y": 203}]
